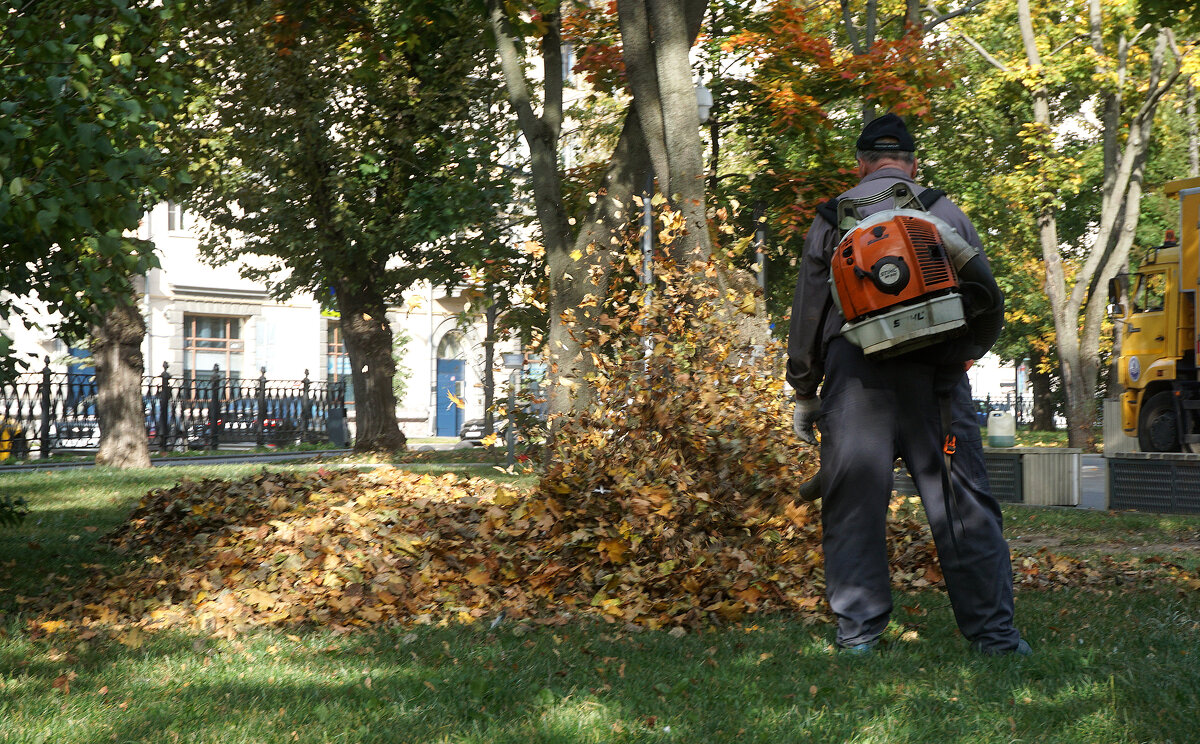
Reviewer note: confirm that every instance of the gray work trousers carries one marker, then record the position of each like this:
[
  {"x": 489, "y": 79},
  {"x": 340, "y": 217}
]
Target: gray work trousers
[{"x": 872, "y": 411}]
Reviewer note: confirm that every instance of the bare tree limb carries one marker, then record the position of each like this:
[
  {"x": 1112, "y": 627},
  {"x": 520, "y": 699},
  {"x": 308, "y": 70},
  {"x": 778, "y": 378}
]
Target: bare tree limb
[
  {"x": 1067, "y": 43},
  {"x": 851, "y": 30},
  {"x": 939, "y": 18},
  {"x": 983, "y": 52}
]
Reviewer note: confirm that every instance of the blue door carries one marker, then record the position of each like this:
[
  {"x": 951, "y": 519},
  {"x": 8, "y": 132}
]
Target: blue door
[{"x": 450, "y": 382}]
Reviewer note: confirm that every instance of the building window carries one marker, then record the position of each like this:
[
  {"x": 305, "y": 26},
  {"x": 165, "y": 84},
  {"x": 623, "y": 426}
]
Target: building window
[
  {"x": 212, "y": 340},
  {"x": 450, "y": 347},
  {"x": 176, "y": 216},
  {"x": 568, "y": 64},
  {"x": 337, "y": 361}
]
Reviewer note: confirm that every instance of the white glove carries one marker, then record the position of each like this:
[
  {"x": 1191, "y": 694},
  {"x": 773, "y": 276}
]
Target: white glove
[{"x": 803, "y": 418}]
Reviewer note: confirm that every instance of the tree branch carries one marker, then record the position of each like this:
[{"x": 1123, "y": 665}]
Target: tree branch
[
  {"x": 1067, "y": 43},
  {"x": 512, "y": 68},
  {"x": 983, "y": 52},
  {"x": 851, "y": 30},
  {"x": 1115, "y": 203},
  {"x": 872, "y": 23},
  {"x": 938, "y": 20}
]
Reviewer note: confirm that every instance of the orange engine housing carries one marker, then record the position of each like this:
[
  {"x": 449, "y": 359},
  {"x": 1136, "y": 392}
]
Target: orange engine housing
[{"x": 888, "y": 263}]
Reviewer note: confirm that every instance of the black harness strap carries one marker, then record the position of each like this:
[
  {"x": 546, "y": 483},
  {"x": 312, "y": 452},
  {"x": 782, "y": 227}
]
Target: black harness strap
[{"x": 949, "y": 446}]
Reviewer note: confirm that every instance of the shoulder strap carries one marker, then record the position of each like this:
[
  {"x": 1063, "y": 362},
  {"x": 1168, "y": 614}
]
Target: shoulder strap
[
  {"x": 929, "y": 196},
  {"x": 829, "y": 209}
]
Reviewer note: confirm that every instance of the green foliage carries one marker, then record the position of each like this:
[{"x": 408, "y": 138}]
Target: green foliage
[
  {"x": 86, "y": 90},
  {"x": 981, "y": 147},
  {"x": 400, "y": 341},
  {"x": 352, "y": 145},
  {"x": 12, "y": 510}
]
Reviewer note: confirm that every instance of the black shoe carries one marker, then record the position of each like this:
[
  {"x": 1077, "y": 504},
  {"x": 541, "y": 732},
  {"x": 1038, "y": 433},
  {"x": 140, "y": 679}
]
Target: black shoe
[{"x": 1022, "y": 649}]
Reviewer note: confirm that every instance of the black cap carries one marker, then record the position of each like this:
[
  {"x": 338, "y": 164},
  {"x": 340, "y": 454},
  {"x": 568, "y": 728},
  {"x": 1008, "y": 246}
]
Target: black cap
[{"x": 890, "y": 128}]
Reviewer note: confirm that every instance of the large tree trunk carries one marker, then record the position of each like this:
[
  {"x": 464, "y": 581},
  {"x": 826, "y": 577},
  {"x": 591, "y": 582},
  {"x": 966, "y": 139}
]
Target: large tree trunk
[
  {"x": 117, "y": 350},
  {"x": 656, "y": 37},
  {"x": 369, "y": 346},
  {"x": 578, "y": 277},
  {"x": 1043, "y": 401},
  {"x": 578, "y": 268}
]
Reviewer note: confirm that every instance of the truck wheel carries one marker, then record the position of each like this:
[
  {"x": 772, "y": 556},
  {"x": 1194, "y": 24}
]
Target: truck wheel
[{"x": 1157, "y": 427}]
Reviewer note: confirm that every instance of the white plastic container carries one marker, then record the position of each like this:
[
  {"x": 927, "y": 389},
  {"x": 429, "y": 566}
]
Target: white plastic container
[{"x": 1001, "y": 429}]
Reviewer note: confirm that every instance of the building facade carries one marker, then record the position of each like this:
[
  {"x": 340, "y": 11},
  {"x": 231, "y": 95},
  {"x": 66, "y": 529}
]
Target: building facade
[{"x": 199, "y": 315}]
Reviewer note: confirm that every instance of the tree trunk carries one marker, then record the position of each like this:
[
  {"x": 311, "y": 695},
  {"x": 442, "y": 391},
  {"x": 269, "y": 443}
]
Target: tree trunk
[
  {"x": 1066, "y": 322},
  {"x": 368, "y": 340},
  {"x": 117, "y": 350},
  {"x": 1193, "y": 129},
  {"x": 657, "y": 36},
  {"x": 565, "y": 277},
  {"x": 1043, "y": 401},
  {"x": 579, "y": 277}
]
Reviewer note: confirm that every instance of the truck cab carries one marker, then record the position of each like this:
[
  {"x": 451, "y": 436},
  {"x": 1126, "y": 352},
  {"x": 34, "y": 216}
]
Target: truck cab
[{"x": 1154, "y": 310}]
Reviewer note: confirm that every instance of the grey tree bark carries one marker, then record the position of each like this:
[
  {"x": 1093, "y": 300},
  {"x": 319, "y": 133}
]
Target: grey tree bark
[
  {"x": 1043, "y": 408},
  {"x": 656, "y": 36},
  {"x": 117, "y": 351}
]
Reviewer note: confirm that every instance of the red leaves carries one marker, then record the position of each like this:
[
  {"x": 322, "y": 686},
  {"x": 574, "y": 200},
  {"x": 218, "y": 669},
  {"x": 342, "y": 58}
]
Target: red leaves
[{"x": 801, "y": 79}]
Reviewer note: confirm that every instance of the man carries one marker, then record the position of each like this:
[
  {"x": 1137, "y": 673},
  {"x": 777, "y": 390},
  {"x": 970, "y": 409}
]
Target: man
[{"x": 872, "y": 410}]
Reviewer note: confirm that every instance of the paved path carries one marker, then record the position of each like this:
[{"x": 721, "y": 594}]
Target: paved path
[{"x": 1093, "y": 482}]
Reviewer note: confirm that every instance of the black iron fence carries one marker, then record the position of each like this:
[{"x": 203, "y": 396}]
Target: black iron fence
[
  {"x": 1021, "y": 406},
  {"x": 47, "y": 413}
]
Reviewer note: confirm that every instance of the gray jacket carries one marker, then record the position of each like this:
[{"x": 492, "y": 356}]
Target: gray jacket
[{"x": 815, "y": 319}]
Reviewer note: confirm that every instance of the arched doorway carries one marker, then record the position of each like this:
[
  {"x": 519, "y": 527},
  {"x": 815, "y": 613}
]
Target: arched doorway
[{"x": 451, "y": 384}]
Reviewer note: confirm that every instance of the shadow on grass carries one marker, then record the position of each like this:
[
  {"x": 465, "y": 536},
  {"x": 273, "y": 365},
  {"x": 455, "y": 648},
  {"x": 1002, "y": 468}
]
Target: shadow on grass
[
  {"x": 1112, "y": 668},
  {"x": 592, "y": 682}
]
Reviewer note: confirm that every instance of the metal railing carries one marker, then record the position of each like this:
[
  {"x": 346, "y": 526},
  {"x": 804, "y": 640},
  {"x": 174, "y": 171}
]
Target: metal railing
[
  {"x": 1021, "y": 406},
  {"x": 46, "y": 413}
]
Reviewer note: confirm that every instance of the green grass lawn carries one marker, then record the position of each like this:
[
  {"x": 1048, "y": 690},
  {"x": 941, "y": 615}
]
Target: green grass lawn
[{"x": 1121, "y": 665}]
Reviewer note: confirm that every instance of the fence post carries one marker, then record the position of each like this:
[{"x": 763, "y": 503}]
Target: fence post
[
  {"x": 261, "y": 418},
  {"x": 335, "y": 415},
  {"x": 305, "y": 415},
  {"x": 46, "y": 412},
  {"x": 214, "y": 409},
  {"x": 164, "y": 405}
]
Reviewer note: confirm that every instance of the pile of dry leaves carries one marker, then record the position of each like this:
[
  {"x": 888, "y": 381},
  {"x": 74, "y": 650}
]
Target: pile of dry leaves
[
  {"x": 667, "y": 503},
  {"x": 345, "y": 549}
]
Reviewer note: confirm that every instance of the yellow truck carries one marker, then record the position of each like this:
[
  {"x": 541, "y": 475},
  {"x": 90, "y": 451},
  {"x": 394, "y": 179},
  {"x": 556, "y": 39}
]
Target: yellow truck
[{"x": 1155, "y": 311}]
